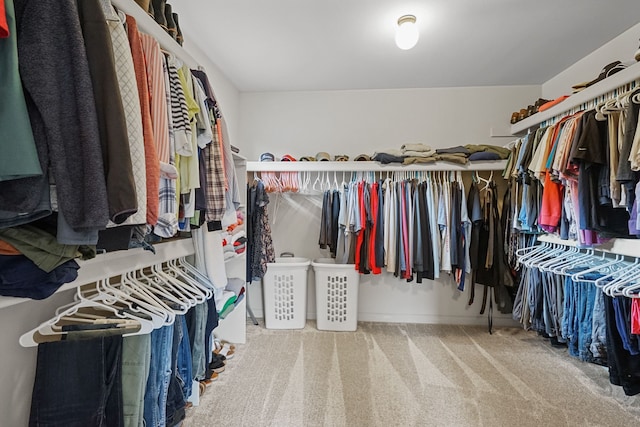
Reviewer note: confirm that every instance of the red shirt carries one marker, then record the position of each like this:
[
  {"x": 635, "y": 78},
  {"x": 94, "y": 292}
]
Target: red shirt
[{"x": 4, "y": 26}]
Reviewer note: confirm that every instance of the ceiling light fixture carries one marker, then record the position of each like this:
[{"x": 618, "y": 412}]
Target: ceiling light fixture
[{"x": 407, "y": 32}]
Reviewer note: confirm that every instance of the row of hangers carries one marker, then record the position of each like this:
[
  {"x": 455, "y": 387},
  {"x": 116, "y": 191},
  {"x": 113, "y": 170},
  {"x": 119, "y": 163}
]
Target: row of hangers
[
  {"x": 134, "y": 303},
  {"x": 617, "y": 276},
  {"x": 300, "y": 182}
]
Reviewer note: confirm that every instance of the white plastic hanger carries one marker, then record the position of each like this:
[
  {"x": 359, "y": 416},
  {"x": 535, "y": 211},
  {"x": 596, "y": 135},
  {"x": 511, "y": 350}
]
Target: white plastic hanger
[
  {"x": 28, "y": 339},
  {"x": 182, "y": 273},
  {"x": 132, "y": 285},
  {"x": 136, "y": 301},
  {"x": 152, "y": 284},
  {"x": 599, "y": 267}
]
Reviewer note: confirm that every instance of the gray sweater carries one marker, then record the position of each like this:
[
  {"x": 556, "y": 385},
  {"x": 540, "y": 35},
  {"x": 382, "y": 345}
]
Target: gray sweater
[{"x": 59, "y": 95}]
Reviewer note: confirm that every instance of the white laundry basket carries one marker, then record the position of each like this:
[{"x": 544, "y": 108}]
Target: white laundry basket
[
  {"x": 284, "y": 288},
  {"x": 336, "y": 295}
]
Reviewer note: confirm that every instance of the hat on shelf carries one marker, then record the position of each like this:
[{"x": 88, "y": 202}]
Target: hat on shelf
[
  {"x": 608, "y": 70},
  {"x": 288, "y": 158},
  {"x": 267, "y": 157},
  {"x": 341, "y": 158},
  {"x": 362, "y": 158},
  {"x": 307, "y": 159},
  {"x": 323, "y": 157}
]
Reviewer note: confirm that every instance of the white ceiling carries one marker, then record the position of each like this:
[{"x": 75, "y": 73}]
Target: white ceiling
[{"x": 281, "y": 45}]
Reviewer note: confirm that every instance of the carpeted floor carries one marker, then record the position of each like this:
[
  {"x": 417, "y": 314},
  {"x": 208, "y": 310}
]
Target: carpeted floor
[{"x": 409, "y": 375}]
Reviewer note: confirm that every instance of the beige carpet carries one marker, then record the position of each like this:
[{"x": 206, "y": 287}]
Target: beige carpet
[{"x": 409, "y": 375}]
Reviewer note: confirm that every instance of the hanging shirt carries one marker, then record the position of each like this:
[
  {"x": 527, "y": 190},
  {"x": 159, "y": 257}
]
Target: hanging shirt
[
  {"x": 152, "y": 164},
  {"x": 390, "y": 226},
  {"x": 432, "y": 202},
  {"x": 131, "y": 104},
  {"x": 375, "y": 206},
  {"x": 444, "y": 219}
]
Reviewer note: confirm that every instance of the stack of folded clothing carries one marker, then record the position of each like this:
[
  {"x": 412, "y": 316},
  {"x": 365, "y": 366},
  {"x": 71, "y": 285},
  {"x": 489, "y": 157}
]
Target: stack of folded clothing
[
  {"x": 458, "y": 154},
  {"x": 421, "y": 153},
  {"x": 239, "y": 241},
  {"x": 231, "y": 296},
  {"x": 234, "y": 240},
  {"x": 225, "y": 301},
  {"x": 390, "y": 155},
  {"x": 227, "y": 246},
  {"x": 417, "y": 153},
  {"x": 487, "y": 152},
  {"x": 32, "y": 262}
]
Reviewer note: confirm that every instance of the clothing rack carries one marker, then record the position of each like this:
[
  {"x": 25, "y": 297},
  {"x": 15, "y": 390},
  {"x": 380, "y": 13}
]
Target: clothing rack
[
  {"x": 625, "y": 247},
  {"x": 585, "y": 99}
]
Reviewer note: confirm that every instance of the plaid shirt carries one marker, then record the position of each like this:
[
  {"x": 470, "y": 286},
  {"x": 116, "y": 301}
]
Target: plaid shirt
[
  {"x": 214, "y": 189},
  {"x": 167, "y": 224}
]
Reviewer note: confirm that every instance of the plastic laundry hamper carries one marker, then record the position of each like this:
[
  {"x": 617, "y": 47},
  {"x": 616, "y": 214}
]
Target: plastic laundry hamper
[
  {"x": 336, "y": 295},
  {"x": 284, "y": 288}
]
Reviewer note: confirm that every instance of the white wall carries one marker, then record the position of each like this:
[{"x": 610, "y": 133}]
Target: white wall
[
  {"x": 353, "y": 122},
  {"x": 622, "y": 48},
  {"x": 226, "y": 93},
  {"x": 17, "y": 369},
  {"x": 360, "y": 121}
]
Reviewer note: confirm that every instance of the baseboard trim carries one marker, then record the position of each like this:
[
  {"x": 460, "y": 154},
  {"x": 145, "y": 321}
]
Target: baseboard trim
[{"x": 502, "y": 320}]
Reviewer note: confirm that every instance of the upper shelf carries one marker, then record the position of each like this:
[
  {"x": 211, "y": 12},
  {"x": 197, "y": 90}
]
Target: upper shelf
[
  {"x": 149, "y": 26},
  {"x": 371, "y": 166},
  {"x": 609, "y": 84}
]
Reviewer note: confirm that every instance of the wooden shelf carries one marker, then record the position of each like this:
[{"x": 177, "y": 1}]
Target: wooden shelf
[
  {"x": 371, "y": 166},
  {"x": 628, "y": 75}
]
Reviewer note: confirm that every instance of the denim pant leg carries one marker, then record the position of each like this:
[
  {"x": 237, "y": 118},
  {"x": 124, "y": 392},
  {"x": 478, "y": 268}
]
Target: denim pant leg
[
  {"x": 586, "y": 323},
  {"x": 152, "y": 390},
  {"x": 573, "y": 317},
  {"x": 559, "y": 287},
  {"x": 547, "y": 304},
  {"x": 136, "y": 353},
  {"x": 599, "y": 332},
  {"x": 158, "y": 381},
  {"x": 184, "y": 360},
  {"x": 175, "y": 396},
  {"x": 198, "y": 345},
  {"x": 566, "y": 305},
  {"x": 166, "y": 370}
]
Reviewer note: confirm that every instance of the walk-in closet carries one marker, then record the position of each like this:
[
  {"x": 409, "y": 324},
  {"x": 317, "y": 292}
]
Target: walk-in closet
[{"x": 311, "y": 214}]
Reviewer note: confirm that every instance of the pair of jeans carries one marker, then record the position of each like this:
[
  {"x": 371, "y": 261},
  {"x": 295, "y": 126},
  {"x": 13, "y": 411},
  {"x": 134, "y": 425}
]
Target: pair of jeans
[
  {"x": 599, "y": 330},
  {"x": 197, "y": 322},
  {"x": 155, "y": 398},
  {"x": 535, "y": 300},
  {"x": 570, "y": 315},
  {"x": 180, "y": 384},
  {"x": 587, "y": 299},
  {"x": 78, "y": 383},
  {"x": 183, "y": 360},
  {"x": 136, "y": 358},
  {"x": 553, "y": 303}
]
